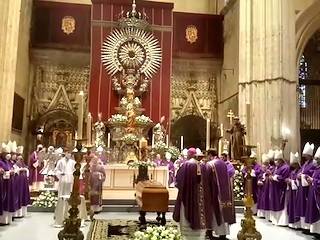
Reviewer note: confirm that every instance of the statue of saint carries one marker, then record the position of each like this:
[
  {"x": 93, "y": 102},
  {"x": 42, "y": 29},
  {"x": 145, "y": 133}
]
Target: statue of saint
[
  {"x": 100, "y": 130},
  {"x": 237, "y": 140},
  {"x": 159, "y": 131}
]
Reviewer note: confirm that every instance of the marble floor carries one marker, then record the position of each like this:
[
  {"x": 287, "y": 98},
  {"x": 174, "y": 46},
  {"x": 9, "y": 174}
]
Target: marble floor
[{"x": 38, "y": 226}]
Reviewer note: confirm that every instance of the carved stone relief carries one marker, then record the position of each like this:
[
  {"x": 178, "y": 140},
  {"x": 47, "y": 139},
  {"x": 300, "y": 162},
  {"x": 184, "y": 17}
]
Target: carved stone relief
[{"x": 194, "y": 89}]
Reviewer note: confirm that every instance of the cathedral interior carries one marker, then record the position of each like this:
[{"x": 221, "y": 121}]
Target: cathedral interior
[{"x": 192, "y": 67}]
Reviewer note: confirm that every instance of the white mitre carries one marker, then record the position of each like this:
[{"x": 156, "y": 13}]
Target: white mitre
[
  {"x": 308, "y": 149},
  {"x": 317, "y": 155},
  {"x": 20, "y": 150},
  {"x": 253, "y": 155},
  {"x": 278, "y": 154},
  {"x": 294, "y": 158},
  {"x": 265, "y": 158},
  {"x": 168, "y": 156},
  {"x": 185, "y": 152},
  {"x": 100, "y": 149},
  {"x": 270, "y": 154},
  {"x": 13, "y": 147},
  {"x": 59, "y": 151},
  {"x": 4, "y": 148}
]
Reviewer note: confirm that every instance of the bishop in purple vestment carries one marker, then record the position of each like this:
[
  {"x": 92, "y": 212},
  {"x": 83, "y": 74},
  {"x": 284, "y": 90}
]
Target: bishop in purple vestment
[
  {"x": 312, "y": 216},
  {"x": 307, "y": 170},
  {"x": 193, "y": 200},
  {"x": 293, "y": 219},
  {"x": 230, "y": 168},
  {"x": 278, "y": 191},
  {"x": 34, "y": 166}
]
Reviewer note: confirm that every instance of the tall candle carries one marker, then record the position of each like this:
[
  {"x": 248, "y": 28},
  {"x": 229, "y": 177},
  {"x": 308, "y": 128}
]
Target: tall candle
[
  {"x": 152, "y": 143},
  {"x": 181, "y": 143},
  {"x": 221, "y": 130},
  {"x": 109, "y": 138},
  {"x": 167, "y": 140},
  {"x": 208, "y": 134},
  {"x": 220, "y": 147},
  {"x": 89, "y": 128},
  {"x": 80, "y": 114}
]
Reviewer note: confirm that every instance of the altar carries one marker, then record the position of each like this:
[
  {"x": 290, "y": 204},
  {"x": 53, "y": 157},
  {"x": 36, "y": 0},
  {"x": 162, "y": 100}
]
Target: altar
[{"x": 121, "y": 177}]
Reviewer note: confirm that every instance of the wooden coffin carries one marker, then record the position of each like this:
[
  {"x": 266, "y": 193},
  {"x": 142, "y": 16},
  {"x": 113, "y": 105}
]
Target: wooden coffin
[{"x": 152, "y": 196}]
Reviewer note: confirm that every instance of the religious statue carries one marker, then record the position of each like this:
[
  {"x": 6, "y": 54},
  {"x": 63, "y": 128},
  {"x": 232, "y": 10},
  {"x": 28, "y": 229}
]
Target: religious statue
[
  {"x": 159, "y": 131},
  {"x": 100, "y": 130},
  {"x": 237, "y": 139}
]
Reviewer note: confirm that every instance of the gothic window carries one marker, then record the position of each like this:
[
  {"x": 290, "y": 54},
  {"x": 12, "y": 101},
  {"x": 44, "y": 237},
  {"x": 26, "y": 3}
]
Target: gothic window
[{"x": 303, "y": 75}]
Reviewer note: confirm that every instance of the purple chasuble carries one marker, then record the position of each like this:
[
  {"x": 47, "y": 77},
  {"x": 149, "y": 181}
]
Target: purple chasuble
[
  {"x": 278, "y": 187},
  {"x": 222, "y": 201},
  {"x": 9, "y": 204},
  {"x": 312, "y": 210},
  {"x": 303, "y": 192},
  {"x": 292, "y": 198},
  {"x": 230, "y": 169},
  {"x": 24, "y": 184},
  {"x": 191, "y": 182}
]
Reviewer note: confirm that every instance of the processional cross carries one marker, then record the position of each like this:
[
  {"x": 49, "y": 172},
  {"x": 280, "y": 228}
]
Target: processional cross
[{"x": 230, "y": 115}]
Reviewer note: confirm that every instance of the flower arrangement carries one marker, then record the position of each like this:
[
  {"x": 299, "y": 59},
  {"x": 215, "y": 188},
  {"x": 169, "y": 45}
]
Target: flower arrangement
[
  {"x": 137, "y": 164},
  {"x": 156, "y": 233},
  {"x": 175, "y": 152},
  {"x": 143, "y": 120},
  {"x": 238, "y": 184},
  {"x": 160, "y": 147},
  {"x": 118, "y": 118},
  {"x": 130, "y": 138},
  {"x": 46, "y": 199}
]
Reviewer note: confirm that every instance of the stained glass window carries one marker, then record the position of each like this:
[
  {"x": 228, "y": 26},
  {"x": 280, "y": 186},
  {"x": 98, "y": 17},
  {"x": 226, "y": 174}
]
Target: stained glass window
[{"x": 303, "y": 75}]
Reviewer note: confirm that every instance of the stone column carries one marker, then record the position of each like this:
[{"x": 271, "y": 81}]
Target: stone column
[
  {"x": 267, "y": 71},
  {"x": 9, "y": 37}
]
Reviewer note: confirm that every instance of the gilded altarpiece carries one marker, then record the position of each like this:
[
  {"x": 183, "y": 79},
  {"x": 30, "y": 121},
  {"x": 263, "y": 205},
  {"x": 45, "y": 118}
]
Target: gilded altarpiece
[{"x": 56, "y": 100}]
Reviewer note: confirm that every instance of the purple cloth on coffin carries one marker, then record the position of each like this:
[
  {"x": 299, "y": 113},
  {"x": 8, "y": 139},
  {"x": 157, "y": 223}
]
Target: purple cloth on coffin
[
  {"x": 278, "y": 187},
  {"x": 292, "y": 199},
  {"x": 193, "y": 193},
  {"x": 258, "y": 171},
  {"x": 302, "y": 193},
  {"x": 97, "y": 178},
  {"x": 312, "y": 210},
  {"x": 222, "y": 198},
  {"x": 24, "y": 185},
  {"x": 8, "y": 189}
]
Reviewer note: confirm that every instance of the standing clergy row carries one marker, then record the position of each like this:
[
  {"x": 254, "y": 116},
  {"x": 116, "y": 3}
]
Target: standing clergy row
[
  {"x": 14, "y": 188},
  {"x": 288, "y": 194},
  {"x": 204, "y": 202}
]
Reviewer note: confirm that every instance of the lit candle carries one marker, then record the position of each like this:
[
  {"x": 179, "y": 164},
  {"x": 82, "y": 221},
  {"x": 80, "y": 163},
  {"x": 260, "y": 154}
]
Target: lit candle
[
  {"x": 80, "y": 114},
  {"x": 109, "y": 138},
  {"x": 220, "y": 148},
  {"x": 152, "y": 143},
  {"x": 167, "y": 140},
  {"x": 89, "y": 128},
  {"x": 208, "y": 134},
  {"x": 181, "y": 143},
  {"x": 221, "y": 130}
]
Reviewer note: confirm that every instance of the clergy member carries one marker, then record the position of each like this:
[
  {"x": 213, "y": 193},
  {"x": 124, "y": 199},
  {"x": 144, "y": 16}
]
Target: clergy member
[
  {"x": 278, "y": 190},
  {"x": 303, "y": 188},
  {"x": 64, "y": 171},
  {"x": 98, "y": 176},
  {"x": 293, "y": 219},
  {"x": 222, "y": 206},
  {"x": 34, "y": 165},
  {"x": 182, "y": 159},
  {"x": 312, "y": 217},
  {"x": 230, "y": 167},
  {"x": 263, "y": 187},
  {"x": 191, "y": 205}
]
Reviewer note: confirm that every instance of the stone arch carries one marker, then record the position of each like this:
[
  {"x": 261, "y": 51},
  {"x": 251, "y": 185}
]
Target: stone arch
[{"x": 307, "y": 23}]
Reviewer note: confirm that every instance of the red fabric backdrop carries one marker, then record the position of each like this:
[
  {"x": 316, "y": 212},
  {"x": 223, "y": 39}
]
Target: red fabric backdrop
[{"x": 102, "y": 98}]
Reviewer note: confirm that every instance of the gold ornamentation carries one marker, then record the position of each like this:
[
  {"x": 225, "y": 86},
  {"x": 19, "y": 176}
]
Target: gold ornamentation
[
  {"x": 191, "y": 34},
  {"x": 68, "y": 24}
]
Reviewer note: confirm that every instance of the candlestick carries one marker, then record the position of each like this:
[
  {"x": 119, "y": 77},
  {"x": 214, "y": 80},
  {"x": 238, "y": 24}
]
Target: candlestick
[
  {"x": 109, "y": 138},
  {"x": 89, "y": 128},
  {"x": 208, "y": 134},
  {"x": 181, "y": 143}
]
